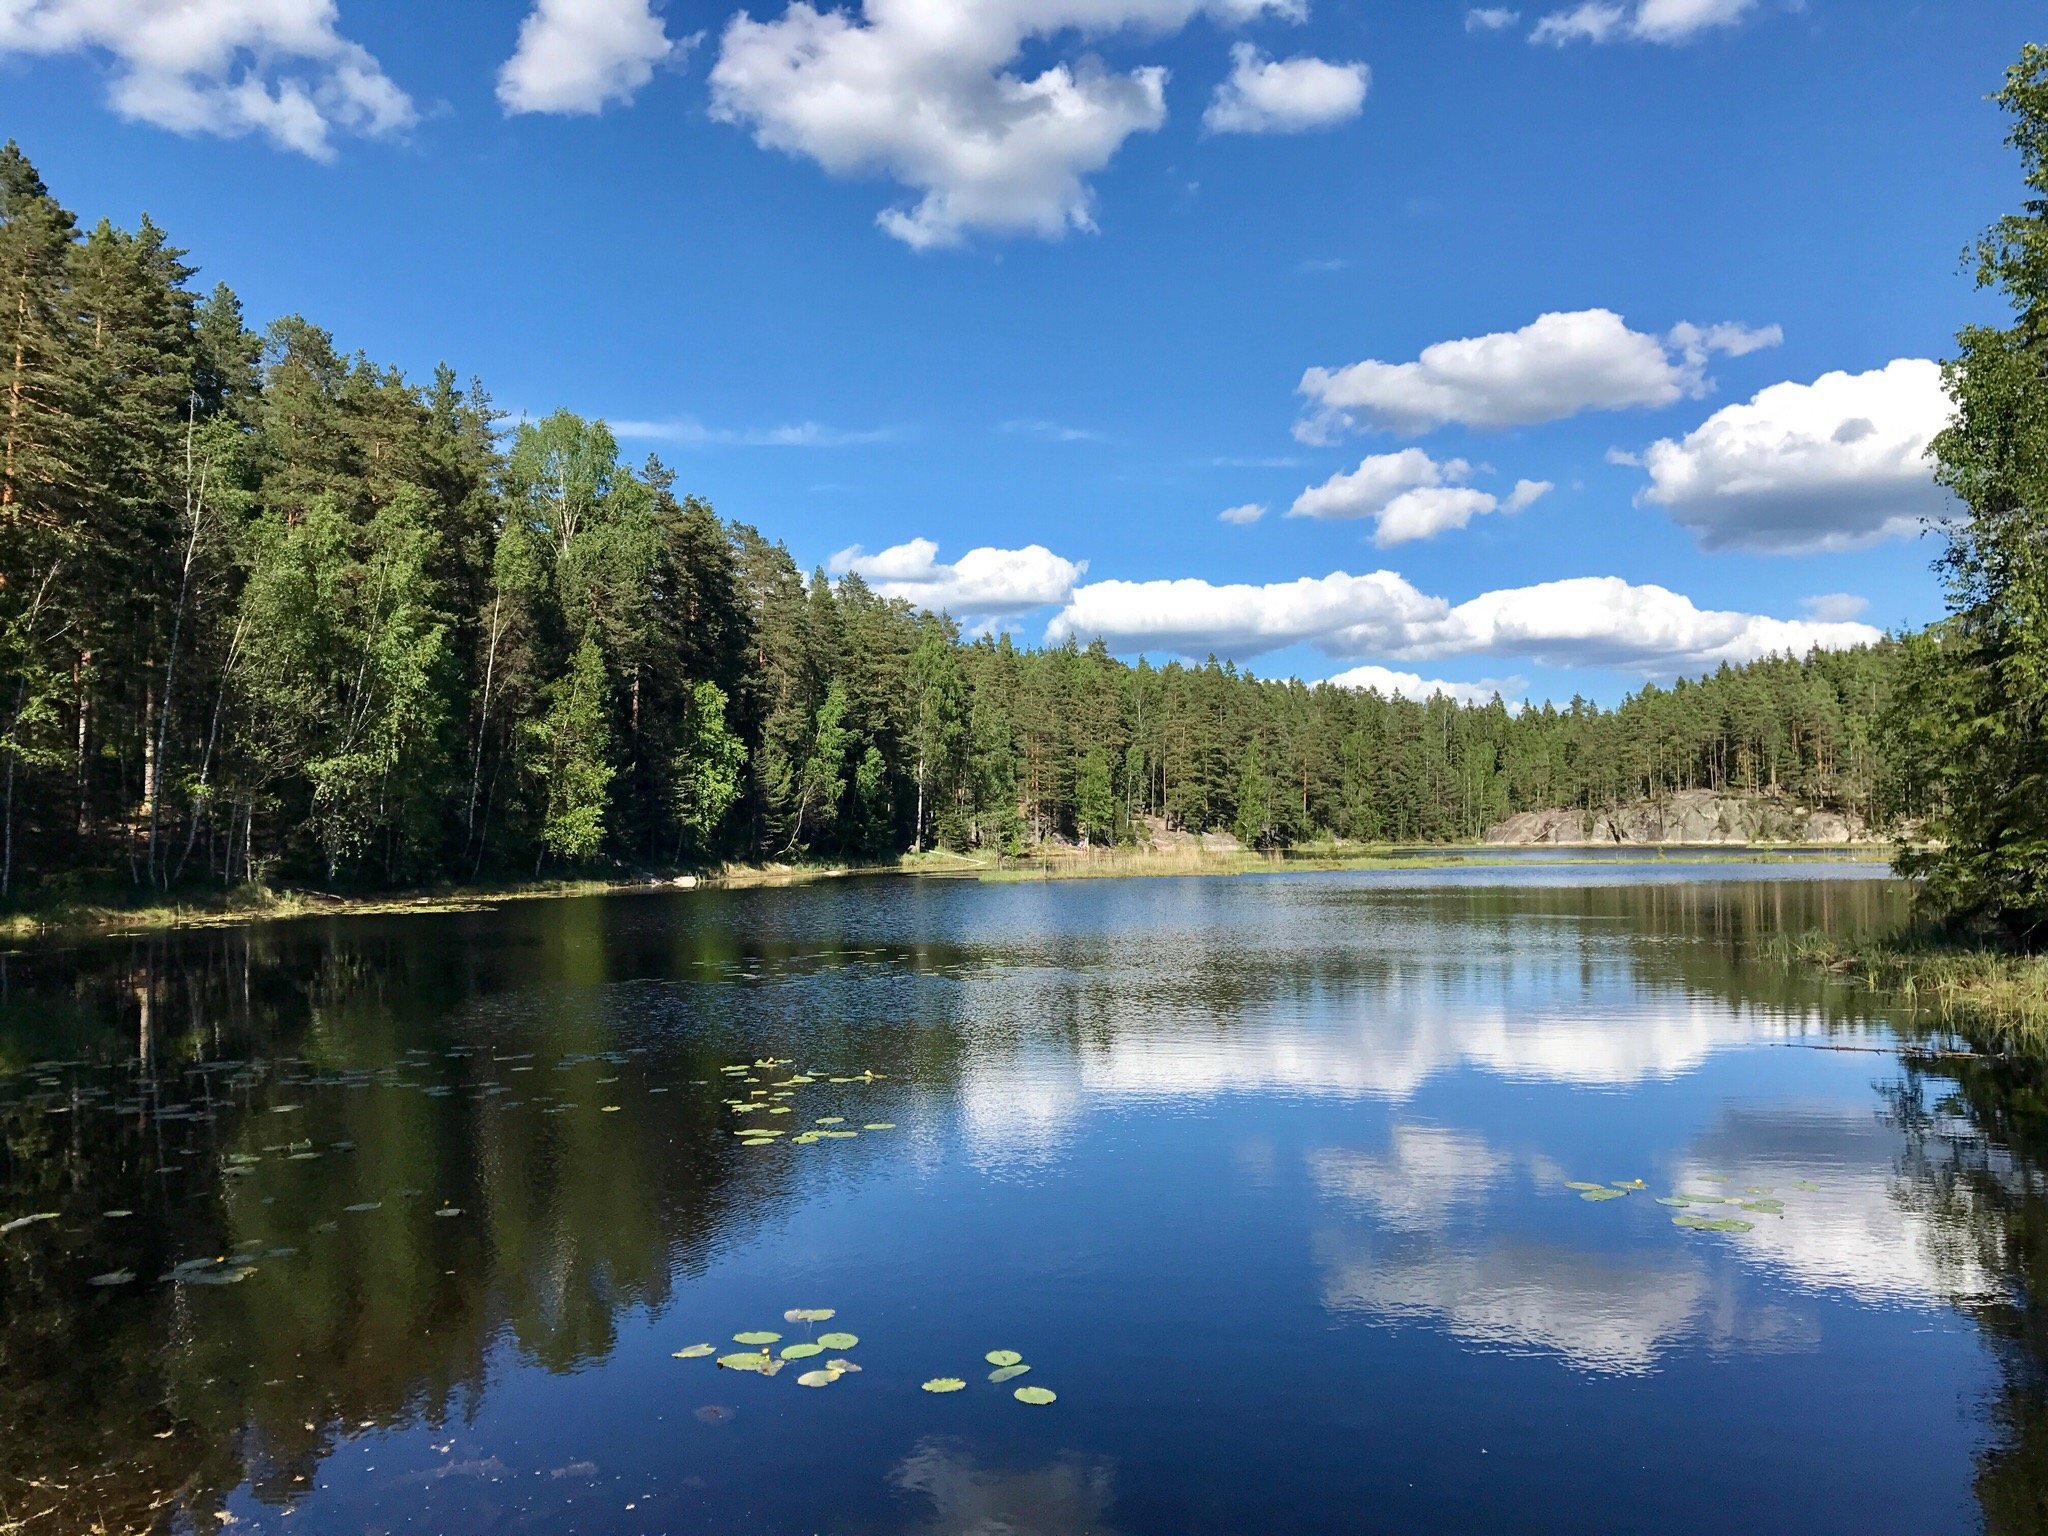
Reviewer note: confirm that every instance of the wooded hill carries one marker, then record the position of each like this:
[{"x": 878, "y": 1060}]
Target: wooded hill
[{"x": 268, "y": 609}]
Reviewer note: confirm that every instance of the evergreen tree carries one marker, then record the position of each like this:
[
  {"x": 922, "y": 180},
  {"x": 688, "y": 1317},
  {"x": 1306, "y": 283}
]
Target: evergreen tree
[{"x": 1979, "y": 688}]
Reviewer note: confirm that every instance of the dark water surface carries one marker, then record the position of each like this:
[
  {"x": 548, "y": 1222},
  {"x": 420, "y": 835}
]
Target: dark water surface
[{"x": 1266, "y": 1178}]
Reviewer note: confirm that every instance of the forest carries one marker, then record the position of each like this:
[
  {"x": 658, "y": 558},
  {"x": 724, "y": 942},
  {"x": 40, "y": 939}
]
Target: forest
[{"x": 270, "y": 610}]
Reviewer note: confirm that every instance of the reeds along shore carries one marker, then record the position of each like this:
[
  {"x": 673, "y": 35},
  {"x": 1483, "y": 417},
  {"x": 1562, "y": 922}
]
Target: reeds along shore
[{"x": 1997, "y": 997}]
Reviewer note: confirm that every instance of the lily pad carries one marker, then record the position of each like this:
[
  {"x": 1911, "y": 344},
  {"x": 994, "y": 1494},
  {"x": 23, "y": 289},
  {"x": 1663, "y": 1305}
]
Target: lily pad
[
  {"x": 1598, "y": 1193},
  {"x": 838, "y": 1340},
  {"x": 1806, "y": 1186},
  {"x": 753, "y": 1360},
  {"x": 945, "y": 1384},
  {"x": 809, "y": 1315},
  {"x": 832, "y": 1120},
  {"x": 362, "y": 1206},
  {"x": 116, "y": 1215},
  {"x": 880, "y": 1125},
  {"x": 1037, "y": 1396},
  {"x": 696, "y": 1351},
  {"x": 801, "y": 1351},
  {"x": 1581, "y": 1184},
  {"x": 817, "y": 1378},
  {"x": 1003, "y": 1357},
  {"x": 1767, "y": 1207},
  {"x": 114, "y": 1277},
  {"x": 1712, "y": 1224},
  {"x": 449, "y": 1210},
  {"x": 1008, "y": 1373},
  {"x": 760, "y": 1336},
  {"x": 841, "y": 1366}
]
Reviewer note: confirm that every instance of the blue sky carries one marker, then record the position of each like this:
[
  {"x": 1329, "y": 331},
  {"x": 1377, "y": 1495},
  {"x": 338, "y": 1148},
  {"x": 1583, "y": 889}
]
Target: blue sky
[{"x": 1036, "y": 276}]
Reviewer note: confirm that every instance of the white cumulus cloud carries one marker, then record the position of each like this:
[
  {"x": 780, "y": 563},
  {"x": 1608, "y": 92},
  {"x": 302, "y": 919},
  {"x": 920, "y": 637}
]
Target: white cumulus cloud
[
  {"x": 583, "y": 55},
  {"x": 928, "y": 94},
  {"x": 1590, "y": 621},
  {"x": 1644, "y": 21},
  {"x": 1412, "y": 685},
  {"x": 1346, "y": 615},
  {"x": 1835, "y": 606},
  {"x": 1557, "y": 366},
  {"x": 1366, "y": 490},
  {"x": 983, "y": 583},
  {"x": 1835, "y": 464},
  {"x": 1490, "y": 18},
  {"x": 1411, "y": 496},
  {"x": 1250, "y": 512},
  {"x": 278, "y": 68},
  {"x": 1263, "y": 95}
]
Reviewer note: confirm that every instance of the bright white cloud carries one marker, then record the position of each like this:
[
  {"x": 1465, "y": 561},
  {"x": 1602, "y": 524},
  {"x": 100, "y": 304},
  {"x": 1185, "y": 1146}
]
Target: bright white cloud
[
  {"x": 1645, "y": 21},
  {"x": 583, "y": 55},
  {"x": 1429, "y": 510},
  {"x": 983, "y": 583},
  {"x": 1366, "y": 490},
  {"x": 1604, "y": 621},
  {"x": 278, "y": 68},
  {"x": 1835, "y": 464},
  {"x": 1591, "y": 621},
  {"x": 1490, "y": 18},
  {"x": 1410, "y": 496},
  {"x": 1346, "y": 615},
  {"x": 1554, "y": 367},
  {"x": 926, "y": 93},
  {"x": 1250, "y": 512},
  {"x": 1410, "y": 685},
  {"x": 1835, "y": 607},
  {"x": 1265, "y": 95}
]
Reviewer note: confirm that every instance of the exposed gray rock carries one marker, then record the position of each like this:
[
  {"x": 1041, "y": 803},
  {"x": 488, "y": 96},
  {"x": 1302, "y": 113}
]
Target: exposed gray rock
[{"x": 1699, "y": 816}]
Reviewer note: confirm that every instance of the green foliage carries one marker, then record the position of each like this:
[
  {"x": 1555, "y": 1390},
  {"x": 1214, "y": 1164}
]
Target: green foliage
[
  {"x": 1095, "y": 804},
  {"x": 271, "y": 610},
  {"x": 574, "y": 743},
  {"x": 710, "y": 770},
  {"x": 1974, "y": 713}
]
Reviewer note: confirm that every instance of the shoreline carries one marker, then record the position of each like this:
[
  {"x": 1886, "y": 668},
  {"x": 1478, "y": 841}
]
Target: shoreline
[
  {"x": 1974, "y": 989},
  {"x": 246, "y": 907}
]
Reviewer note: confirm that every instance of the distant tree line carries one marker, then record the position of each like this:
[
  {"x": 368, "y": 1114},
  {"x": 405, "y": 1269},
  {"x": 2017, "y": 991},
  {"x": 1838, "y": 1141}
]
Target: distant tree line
[{"x": 269, "y": 610}]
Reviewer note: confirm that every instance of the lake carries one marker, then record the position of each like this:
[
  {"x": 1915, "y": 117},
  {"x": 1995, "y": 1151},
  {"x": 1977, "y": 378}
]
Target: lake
[{"x": 1312, "y": 1199}]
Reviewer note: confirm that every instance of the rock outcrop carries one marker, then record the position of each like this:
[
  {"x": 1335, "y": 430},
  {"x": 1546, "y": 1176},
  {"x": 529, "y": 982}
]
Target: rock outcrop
[{"x": 1695, "y": 816}]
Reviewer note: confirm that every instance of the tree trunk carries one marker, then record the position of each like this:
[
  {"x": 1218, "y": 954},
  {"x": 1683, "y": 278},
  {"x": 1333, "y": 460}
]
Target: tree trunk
[{"x": 79, "y": 674}]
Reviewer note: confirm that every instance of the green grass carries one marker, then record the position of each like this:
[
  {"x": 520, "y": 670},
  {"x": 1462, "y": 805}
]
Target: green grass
[
  {"x": 247, "y": 904},
  {"x": 1986, "y": 991}
]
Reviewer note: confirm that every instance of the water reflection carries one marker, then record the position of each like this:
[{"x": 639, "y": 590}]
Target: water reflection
[
  {"x": 429, "y": 1159},
  {"x": 1069, "y": 1497}
]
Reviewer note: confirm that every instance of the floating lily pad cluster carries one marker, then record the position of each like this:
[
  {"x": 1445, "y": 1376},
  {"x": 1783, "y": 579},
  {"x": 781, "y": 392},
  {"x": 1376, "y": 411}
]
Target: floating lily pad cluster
[
  {"x": 770, "y": 1094},
  {"x": 1756, "y": 1199},
  {"x": 1009, "y": 1365},
  {"x": 762, "y": 1357}
]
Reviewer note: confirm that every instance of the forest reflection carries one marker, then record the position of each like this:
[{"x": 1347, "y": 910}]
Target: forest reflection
[{"x": 434, "y": 1144}]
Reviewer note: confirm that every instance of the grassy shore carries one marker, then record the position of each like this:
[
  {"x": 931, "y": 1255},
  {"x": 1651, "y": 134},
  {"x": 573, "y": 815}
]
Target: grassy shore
[
  {"x": 251, "y": 904},
  {"x": 1999, "y": 995},
  {"x": 108, "y": 913}
]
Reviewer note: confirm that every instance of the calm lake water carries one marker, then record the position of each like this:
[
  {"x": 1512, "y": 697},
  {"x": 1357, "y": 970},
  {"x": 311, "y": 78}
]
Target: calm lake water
[{"x": 397, "y": 1224}]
